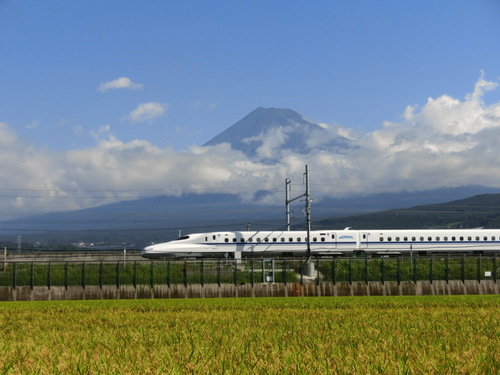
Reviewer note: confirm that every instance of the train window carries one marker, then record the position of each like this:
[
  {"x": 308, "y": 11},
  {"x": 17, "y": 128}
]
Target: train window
[
  {"x": 258, "y": 239},
  {"x": 206, "y": 239},
  {"x": 429, "y": 238},
  {"x": 282, "y": 239},
  {"x": 406, "y": 239},
  {"x": 322, "y": 239},
  {"x": 266, "y": 239},
  {"x": 250, "y": 239},
  {"x": 333, "y": 236},
  {"x": 485, "y": 238},
  {"x": 493, "y": 238},
  {"x": 290, "y": 239},
  {"x": 461, "y": 238},
  {"x": 477, "y": 238},
  {"x": 381, "y": 239},
  {"x": 469, "y": 238},
  {"x": 298, "y": 239},
  {"x": 453, "y": 238},
  {"x": 364, "y": 236},
  {"x": 421, "y": 238},
  {"x": 389, "y": 239},
  {"x": 275, "y": 239},
  {"x": 446, "y": 238},
  {"x": 226, "y": 239},
  {"x": 315, "y": 239},
  {"x": 242, "y": 240},
  {"x": 438, "y": 238},
  {"x": 234, "y": 239},
  {"x": 213, "y": 237},
  {"x": 413, "y": 239},
  {"x": 397, "y": 239}
]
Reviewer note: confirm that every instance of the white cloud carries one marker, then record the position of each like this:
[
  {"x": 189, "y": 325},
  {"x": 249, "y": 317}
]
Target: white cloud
[
  {"x": 7, "y": 136},
  {"x": 33, "y": 125},
  {"x": 120, "y": 83},
  {"x": 270, "y": 142},
  {"x": 147, "y": 111},
  {"x": 78, "y": 130},
  {"x": 448, "y": 142},
  {"x": 198, "y": 104}
]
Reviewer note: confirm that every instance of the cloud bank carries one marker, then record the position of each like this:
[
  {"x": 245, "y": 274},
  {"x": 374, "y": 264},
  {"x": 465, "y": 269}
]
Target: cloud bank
[{"x": 445, "y": 143}]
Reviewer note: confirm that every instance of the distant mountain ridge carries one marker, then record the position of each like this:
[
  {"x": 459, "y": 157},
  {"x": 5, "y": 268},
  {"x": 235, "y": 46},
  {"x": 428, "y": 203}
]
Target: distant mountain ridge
[
  {"x": 478, "y": 211},
  {"x": 162, "y": 218}
]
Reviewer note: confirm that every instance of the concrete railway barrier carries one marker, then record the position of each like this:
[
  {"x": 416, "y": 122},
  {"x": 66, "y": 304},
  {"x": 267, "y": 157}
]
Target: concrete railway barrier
[{"x": 296, "y": 289}]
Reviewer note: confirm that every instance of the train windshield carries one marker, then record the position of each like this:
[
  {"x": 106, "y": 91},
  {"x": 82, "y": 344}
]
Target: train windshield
[{"x": 182, "y": 238}]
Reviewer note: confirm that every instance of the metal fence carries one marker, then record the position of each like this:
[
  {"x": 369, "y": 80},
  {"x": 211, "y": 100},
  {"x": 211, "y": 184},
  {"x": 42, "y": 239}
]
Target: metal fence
[{"x": 253, "y": 271}]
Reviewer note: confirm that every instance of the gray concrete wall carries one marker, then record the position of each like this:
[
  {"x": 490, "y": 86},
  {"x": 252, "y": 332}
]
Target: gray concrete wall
[{"x": 373, "y": 288}]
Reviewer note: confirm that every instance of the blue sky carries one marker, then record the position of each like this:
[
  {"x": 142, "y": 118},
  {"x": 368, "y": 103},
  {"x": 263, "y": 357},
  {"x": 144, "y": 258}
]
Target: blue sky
[
  {"x": 167, "y": 75},
  {"x": 355, "y": 63}
]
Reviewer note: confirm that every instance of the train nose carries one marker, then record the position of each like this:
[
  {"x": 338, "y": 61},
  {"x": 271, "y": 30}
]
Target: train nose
[{"x": 148, "y": 251}]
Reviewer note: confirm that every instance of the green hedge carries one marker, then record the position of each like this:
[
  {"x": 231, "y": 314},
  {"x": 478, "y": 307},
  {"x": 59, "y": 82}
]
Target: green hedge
[{"x": 249, "y": 271}]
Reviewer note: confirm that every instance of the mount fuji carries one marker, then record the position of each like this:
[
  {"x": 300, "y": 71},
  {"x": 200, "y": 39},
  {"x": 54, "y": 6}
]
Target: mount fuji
[{"x": 267, "y": 133}]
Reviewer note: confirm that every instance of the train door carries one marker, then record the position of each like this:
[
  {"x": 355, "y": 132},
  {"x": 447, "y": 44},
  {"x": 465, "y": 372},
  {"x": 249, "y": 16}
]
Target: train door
[
  {"x": 333, "y": 240},
  {"x": 363, "y": 240},
  {"x": 212, "y": 240}
]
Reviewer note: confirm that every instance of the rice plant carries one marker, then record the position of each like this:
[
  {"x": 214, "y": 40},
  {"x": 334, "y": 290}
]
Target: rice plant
[{"x": 377, "y": 335}]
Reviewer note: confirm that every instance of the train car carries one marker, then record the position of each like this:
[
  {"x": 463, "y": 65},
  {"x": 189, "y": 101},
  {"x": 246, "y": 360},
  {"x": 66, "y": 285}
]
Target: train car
[{"x": 345, "y": 242}]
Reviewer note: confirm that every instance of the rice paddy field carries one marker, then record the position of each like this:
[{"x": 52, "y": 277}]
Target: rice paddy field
[{"x": 352, "y": 335}]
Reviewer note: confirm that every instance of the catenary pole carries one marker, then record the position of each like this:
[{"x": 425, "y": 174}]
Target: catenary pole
[
  {"x": 287, "y": 202},
  {"x": 308, "y": 214},
  {"x": 307, "y": 208}
]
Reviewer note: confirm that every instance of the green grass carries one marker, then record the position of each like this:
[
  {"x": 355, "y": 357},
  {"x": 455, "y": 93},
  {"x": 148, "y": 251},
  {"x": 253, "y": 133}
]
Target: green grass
[{"x": 353, "y": 335}]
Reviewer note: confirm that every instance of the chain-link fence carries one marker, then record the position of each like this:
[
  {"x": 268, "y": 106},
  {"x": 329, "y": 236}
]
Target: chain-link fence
[{"x": 248, "y": 271}]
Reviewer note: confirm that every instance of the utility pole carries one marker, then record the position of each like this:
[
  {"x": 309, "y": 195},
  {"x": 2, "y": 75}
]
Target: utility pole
[
  {"x": 307, "y": 208},
  {"x": 287, "y": 202},
  {"x": 308, "y": 214}
]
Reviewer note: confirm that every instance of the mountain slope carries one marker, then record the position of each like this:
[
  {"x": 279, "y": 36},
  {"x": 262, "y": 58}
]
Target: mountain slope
[{"x": 474, "y": 212}]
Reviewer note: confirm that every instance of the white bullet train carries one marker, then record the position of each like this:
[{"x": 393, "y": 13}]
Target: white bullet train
[{"x": 328, "y": 243}]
